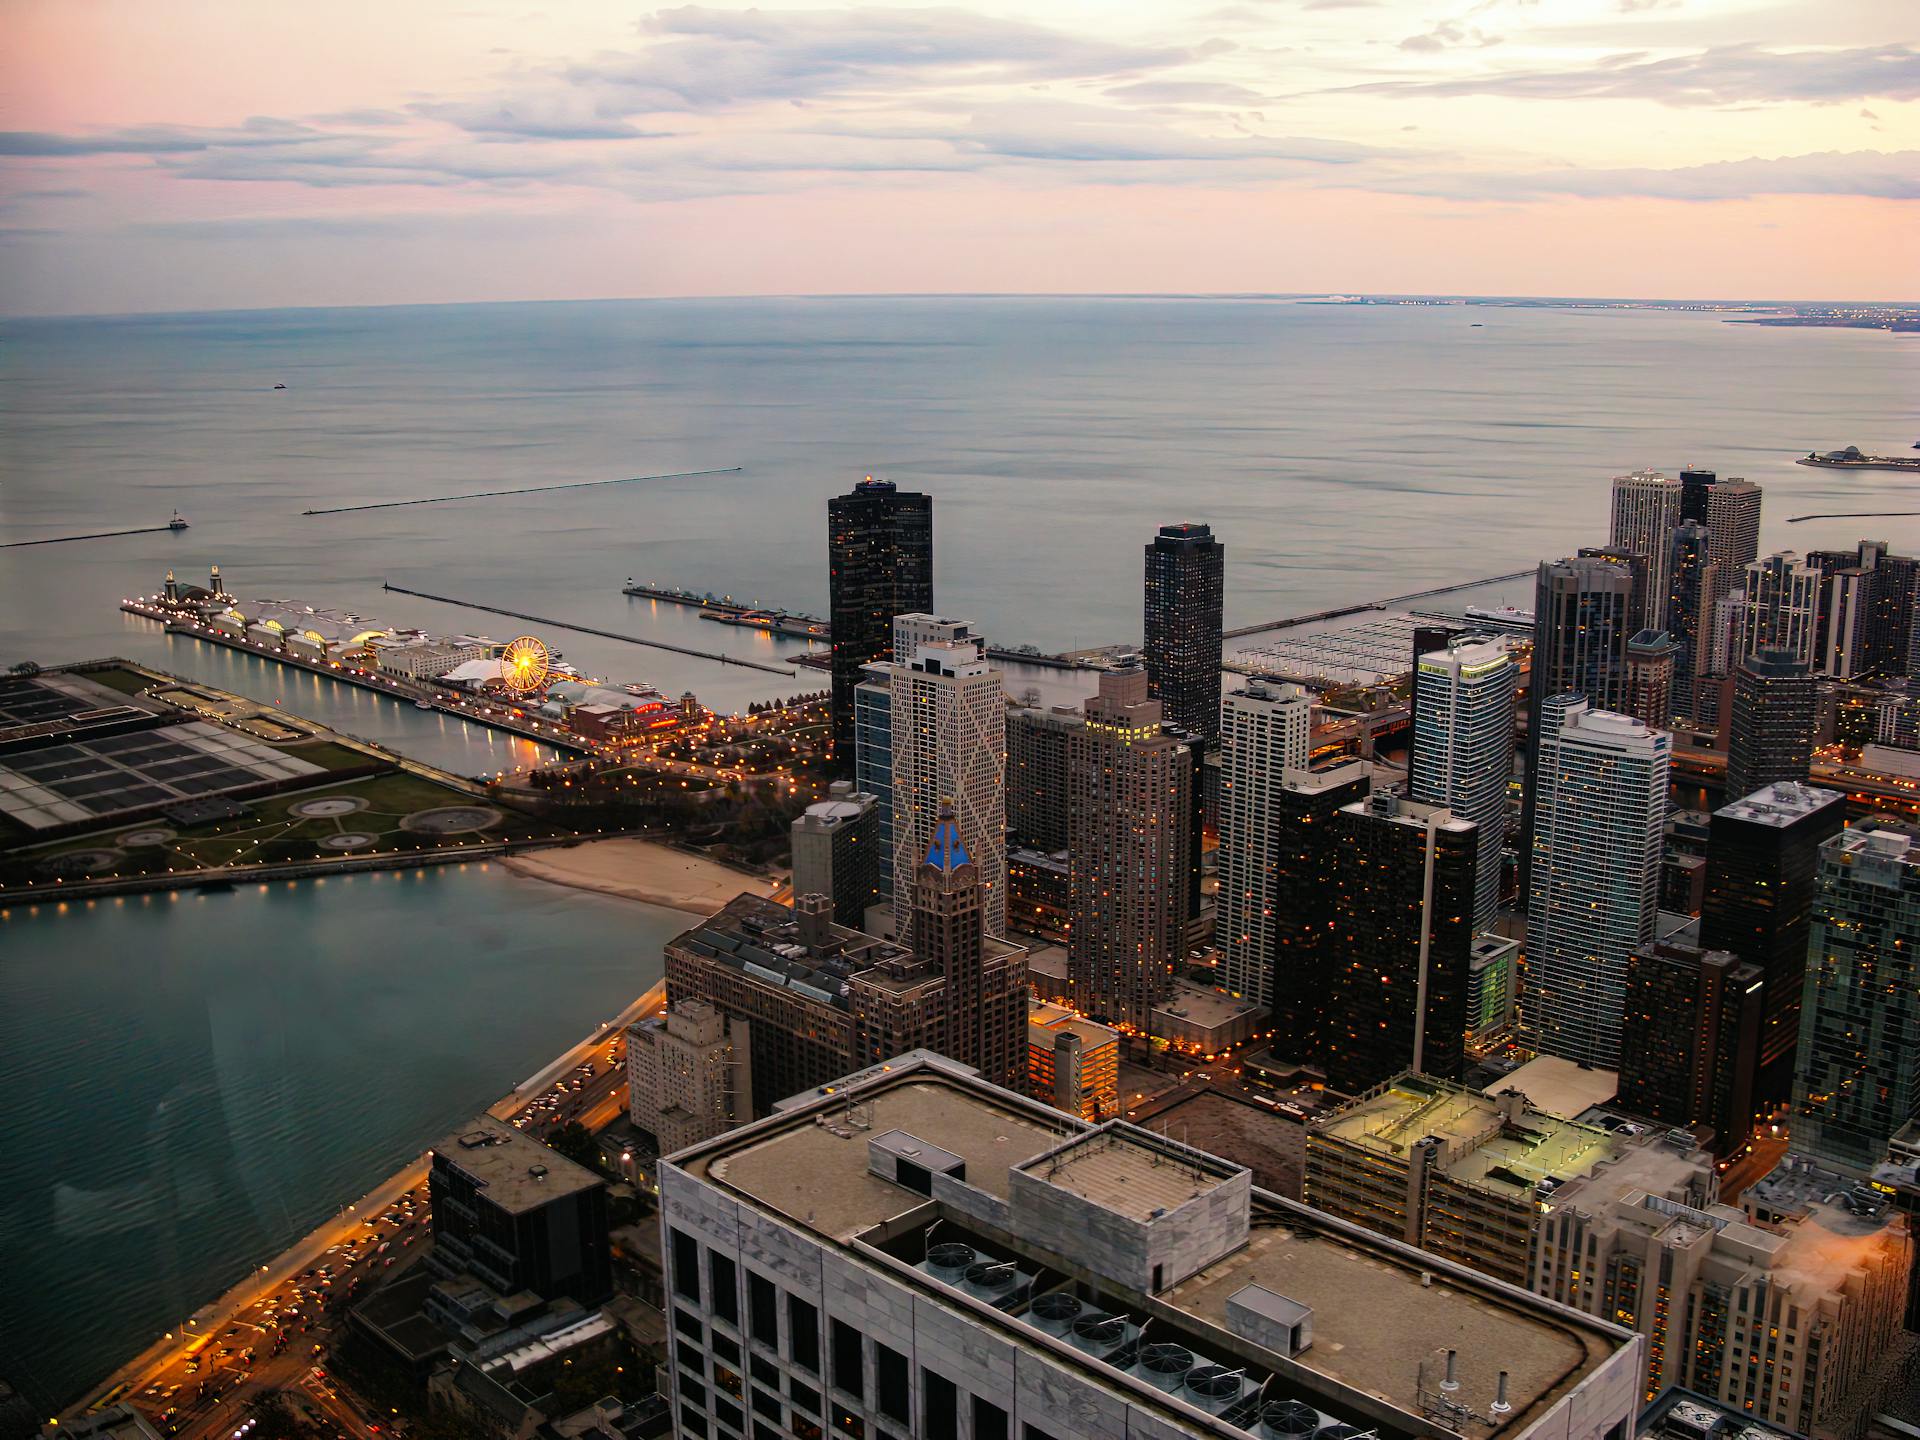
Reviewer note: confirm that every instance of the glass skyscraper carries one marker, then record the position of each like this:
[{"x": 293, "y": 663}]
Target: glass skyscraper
[
  {"x": 880, "y": 558},
  {"x": 1857, "y": 1079},
  {"x": 1186, "y": 586},
  {"x": 1464, "y": 737}
]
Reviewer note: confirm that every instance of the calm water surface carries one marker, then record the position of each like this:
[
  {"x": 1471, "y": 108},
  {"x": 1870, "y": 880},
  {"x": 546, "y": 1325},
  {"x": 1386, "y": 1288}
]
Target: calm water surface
[
  {"x": 267, "y": 1056},
  {"x": 194, "y": 1081}
]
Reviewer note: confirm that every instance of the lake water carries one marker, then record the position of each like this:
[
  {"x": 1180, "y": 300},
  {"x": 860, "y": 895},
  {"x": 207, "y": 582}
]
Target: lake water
[
  {"x": 270, "y": 1055},
  {"x": 194, "y": 1081}
]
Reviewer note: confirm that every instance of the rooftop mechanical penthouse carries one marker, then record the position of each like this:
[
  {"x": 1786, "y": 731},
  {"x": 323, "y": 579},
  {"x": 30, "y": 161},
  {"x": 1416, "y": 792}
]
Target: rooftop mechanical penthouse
[{"x": 915, "y": 1252}]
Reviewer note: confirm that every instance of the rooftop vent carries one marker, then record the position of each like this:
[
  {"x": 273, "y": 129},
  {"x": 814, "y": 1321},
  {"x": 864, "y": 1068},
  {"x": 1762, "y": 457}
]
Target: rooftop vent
[
  {"x": 1165, "y": 1365},
  {"x": 1213, "y": 1387},
  {"x": 1288, "y": 1420},
  {"x": 951, "y": 1260},
  {"x": 1101, "y": 1335},
  {"x": 1055, "y": 1313}
]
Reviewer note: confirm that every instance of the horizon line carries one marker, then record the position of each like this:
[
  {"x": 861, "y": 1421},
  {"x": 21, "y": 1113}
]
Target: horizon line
[{"x": 1334, "y": 296}]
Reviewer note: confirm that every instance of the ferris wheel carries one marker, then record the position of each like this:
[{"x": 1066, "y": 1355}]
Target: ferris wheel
[{"x": 524, "y": 665}]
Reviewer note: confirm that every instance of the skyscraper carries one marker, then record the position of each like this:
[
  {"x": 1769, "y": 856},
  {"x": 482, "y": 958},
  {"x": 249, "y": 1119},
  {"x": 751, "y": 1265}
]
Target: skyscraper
[
  {"x": 837, "y": 853},
  {"x": 1464, "y": 733},
  {"x": 1782, "y": 599},
  {"x": 1601, "y": 786},
  {"x": 880, "y": 559},
  {"x": 1185, "y": 589},
  {"x": 1690, "y": 590},
  {"x": 1264, "y": 730},
  {"x": 1650, "y": 663},
  {"x": 1733, "y": 521},
  {"x": 1129, "y": 819},
  {"x": 1763, "y": 865},
  {"x": 1646, "y": 508},
  {"x": 1037, "y": 777},
  {"x": 1300, "y": 927},
  {"x": 1583, "y": 618},
  {"x": 1771, "y": 735},
  {"x": 1690, "y": 1040},
  {"x": 1694, "y": 488},
  {"x": 1858, "y": 1065},
  {"x": 985, "y": 990},
  {"x": 949, "y": 731},
  {"x": 1401, "y": 942},
  {"x": 1866, "y": 623}
]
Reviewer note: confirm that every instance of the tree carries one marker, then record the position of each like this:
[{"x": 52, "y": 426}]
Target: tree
[{"x": 576, "y": 1142}]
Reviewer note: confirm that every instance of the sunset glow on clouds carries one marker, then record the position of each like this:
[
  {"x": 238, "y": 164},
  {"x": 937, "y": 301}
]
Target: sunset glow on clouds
[{"x": 209, "y": 153}]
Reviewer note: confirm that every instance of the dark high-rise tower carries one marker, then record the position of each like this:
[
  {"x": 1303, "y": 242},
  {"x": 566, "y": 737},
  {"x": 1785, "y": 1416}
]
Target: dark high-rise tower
[
  {"x": 1400, "y": 942},
  {"x": 1763, "y": 863},
  {"x": 1690, "y": 1040},
  {"x": 1186, "y": 585},
  {"x": 1694, "y": 485},
  {"x": 1771, "y": 737},
  {"x": 880, "y": 554},
  {"x": 1302, "y": 810},
  {"x": 1650, "y": 678},
  {"x": 1690, "y": 591}
]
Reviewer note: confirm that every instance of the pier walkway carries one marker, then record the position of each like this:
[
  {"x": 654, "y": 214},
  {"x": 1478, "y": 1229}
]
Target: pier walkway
[
  {"x": 1386, "y": 604},
  {"x": 712, "y": 655}
]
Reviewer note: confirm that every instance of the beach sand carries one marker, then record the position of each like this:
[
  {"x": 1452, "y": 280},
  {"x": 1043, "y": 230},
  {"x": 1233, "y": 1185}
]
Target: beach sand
[{"x": 640, "y": 870}]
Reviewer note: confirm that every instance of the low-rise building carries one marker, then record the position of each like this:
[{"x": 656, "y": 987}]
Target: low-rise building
[
  {"x": 1073, "y": 1063},
  {"x": 921, "y": 1254},
  {"x": 422, "y": 657},
  {"x": 517, "y": 1215}
]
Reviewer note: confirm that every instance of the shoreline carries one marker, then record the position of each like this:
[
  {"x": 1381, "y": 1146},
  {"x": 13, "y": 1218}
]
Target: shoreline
[
  {"x": 629, "y": 868},
  {"x": 127, "y": 1378}
]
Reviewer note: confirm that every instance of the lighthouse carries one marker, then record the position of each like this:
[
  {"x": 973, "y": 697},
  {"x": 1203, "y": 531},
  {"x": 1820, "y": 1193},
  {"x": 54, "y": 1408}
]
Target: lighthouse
[{"x": 173, "y": 589}]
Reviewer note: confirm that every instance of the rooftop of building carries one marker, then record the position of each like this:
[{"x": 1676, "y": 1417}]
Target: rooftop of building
[
  {"x": 1132, "y": 1172},
  {"x": 1398, "y": 810},
  {"x": 1879, "y": 840},
  {"x": 1508, "y": 1147},
  {"x": 1555, "y": 1086},
  {"x": 1381, "y": 1314},
  {"x": 816, "y": 1175},
  {"x": 761, "y": 938},
  {"x": 1831, "y": 1222},
  {"x": 1045, "y": 1021},
  {"x": 1677, "y": 1414},
  {"x": 517, "y": 1172},
  {"x": 1201, "y": 1008}
]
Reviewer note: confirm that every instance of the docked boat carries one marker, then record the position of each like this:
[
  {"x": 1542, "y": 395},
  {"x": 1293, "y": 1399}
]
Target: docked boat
[{"x": 1852, "y": 458}]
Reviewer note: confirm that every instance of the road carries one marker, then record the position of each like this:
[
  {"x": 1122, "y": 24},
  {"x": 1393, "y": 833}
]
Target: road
[{"x": 286, "y": 1311}]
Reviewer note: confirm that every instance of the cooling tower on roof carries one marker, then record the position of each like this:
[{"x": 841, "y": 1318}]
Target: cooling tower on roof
[
  {"x": 1164, "y": 1365},
  {"x": 950, "y": 1261},
  {"x": 1288, "y": 1420},
  {"x": 1055, "y": 1313}
]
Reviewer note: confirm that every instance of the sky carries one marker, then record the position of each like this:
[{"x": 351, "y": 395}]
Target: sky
[{"x": 213, "y": 154}]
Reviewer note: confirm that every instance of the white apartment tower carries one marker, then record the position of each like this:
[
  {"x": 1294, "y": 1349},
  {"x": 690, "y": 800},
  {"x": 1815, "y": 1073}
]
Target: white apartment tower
[
  {"x": 1264, "y": 728},
  {"x": 1600, "y": 807},
  {"x": 1465, "y": 744},
  {"x": 949, "y": 721},
  {"x": 1646, "y": 509}
]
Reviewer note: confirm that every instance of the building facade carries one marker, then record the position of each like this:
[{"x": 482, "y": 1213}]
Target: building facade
[
  {"x": 1600, "y": 782},
  {"x": 1651, "y": 657},
  {"x": 1185, "y": 589},
  {"x": 1733, "y": 522},
  {"x": 1782, "y": 601},
  {"x": 983, "y": 991},
  {"x": 689, "y": 1075},
  {"x": 1770, "y": 734},
  {"x": 1129, "y": 832},
  {"x": 1300, "y": 928},
  {"x": 518, "y": 1215},
  {"x": 949, "y": 731},
  {"x": 1465, "y": 740},
  {"x": 1646, "y": 508},
  {"x": 1763, "y": 868},
  {"x": 837, "y": 852},
  {"x": 1264, "y": 730},
  {"x": 1400, "y": 942},
  {"x": 1037, "y": 787},
  {"x": 1857, "y": 1080},
  {"x": 1690, "y": 1040},
  {"x": 880, "y": 564},
  {"x": 1073, "y": 1064},
  {"x": 1691, "y": 584}
]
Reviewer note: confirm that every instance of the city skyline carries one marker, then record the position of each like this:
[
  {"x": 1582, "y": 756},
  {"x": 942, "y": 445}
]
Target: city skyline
[{"x": 211, "y": 157}]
